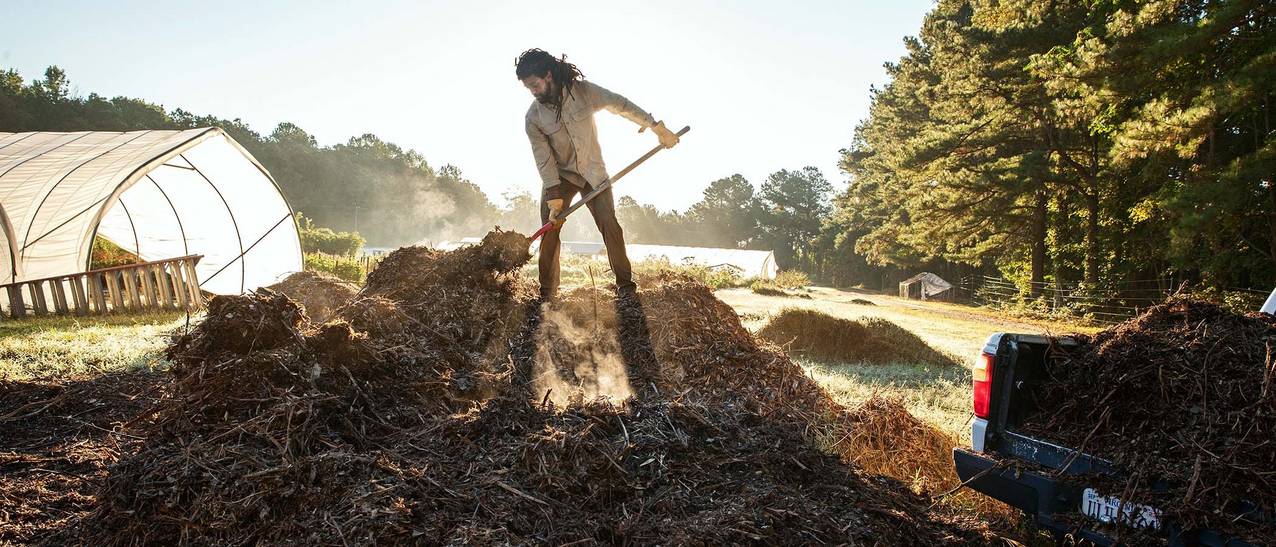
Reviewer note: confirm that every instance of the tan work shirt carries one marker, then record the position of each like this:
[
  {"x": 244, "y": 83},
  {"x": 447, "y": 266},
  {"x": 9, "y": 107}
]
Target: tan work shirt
[{"x": 567, "y": 149}]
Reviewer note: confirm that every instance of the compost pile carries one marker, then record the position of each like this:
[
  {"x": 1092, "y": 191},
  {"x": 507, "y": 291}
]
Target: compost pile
[
  {"x": 318, "y": 294},
  {"x": 418, "y": 415},
  {"x": 1183, "y": 399}
]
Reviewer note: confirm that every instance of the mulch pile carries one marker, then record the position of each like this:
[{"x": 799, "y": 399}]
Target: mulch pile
[
  {"x": 820, "y": 336},
  {"x": 432, "y": 410},
  {"x": 1182, "y": 398},
  {"x": 57, "y": 441},
  {"x": 319, "y": 294}
]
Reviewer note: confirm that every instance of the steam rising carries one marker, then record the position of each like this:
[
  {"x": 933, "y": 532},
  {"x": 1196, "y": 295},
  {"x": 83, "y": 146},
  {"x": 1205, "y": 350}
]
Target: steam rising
[{"x": 578, "y": 362}]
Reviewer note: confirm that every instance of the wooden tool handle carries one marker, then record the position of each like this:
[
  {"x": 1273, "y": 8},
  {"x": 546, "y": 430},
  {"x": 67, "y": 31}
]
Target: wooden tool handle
[{"x": 602, "y": 187}]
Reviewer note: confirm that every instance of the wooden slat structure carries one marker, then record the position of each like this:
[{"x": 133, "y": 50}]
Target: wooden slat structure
[{"x": 160, "y": 285}]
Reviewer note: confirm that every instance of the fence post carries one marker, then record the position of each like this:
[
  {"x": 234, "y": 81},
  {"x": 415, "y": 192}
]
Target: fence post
[
  {"x": 96, "y": 283},
  {"x": 148, "y": 287},
  {"x": 59, "y": 296},
  {"x": 37, "y": 297},
  {"x": 130, "y": 285},
  {"x": 77, "y": 294},
  {"x": 17, "y": 308},
  {"x": 179, "y": 287},
  {"x": 113, "y": 290},
  {"x": 165, "y": 286}
]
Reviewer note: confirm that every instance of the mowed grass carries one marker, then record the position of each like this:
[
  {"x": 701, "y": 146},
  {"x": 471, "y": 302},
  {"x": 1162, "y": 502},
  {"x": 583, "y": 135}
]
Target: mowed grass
[
  {"x": 51, "y": 347},
  {"x": 938, "y": 395},
  {"x": 958, "y": 331}
]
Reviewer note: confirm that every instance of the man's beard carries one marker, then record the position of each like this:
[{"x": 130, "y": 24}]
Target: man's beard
[{"x": 552, "y": 97}]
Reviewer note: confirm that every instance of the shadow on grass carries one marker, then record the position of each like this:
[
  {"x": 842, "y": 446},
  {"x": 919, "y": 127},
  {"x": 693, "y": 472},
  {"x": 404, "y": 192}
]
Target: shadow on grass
[{"x": 59, "y": 438}]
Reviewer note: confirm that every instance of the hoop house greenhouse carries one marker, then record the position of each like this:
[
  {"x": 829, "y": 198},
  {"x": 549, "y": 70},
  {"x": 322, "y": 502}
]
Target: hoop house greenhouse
[{"x": 157, "y": 194}]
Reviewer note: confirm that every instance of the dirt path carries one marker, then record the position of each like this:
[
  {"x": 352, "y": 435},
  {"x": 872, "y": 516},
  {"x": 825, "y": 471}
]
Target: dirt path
[{"x": 952, "y": 328}]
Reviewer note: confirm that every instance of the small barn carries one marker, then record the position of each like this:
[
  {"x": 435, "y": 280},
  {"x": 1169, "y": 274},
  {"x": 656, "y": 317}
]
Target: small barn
[
  {"x": 923, "y": 286},
  {"x": 161, "y": 195}
]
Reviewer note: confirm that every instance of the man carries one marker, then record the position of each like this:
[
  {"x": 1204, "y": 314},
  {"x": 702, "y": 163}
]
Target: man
[{"x": 560, "y": 125}]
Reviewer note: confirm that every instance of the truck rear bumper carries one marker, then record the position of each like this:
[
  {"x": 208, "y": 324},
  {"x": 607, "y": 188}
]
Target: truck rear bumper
[
  {"x": 1042, "y": 497},
  {"x": 1035, "y": 494}
]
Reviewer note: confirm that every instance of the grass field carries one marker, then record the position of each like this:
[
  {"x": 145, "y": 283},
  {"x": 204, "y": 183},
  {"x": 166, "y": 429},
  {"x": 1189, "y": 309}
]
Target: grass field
[
  {"x": 78, "y": 346},
  {"x": 937, "y": 395}
]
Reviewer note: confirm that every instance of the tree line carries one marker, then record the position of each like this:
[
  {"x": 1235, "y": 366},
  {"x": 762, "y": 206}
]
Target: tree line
[
  {"x": 1059, "y": 142},
  {"x": 1071, "y": 141},
  {"x": 392, "y": 196}
]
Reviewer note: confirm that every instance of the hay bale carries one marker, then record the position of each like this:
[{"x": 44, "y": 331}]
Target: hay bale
[
  {"x": 817, "y": 335},
  {"x": 318, "y": 294}
]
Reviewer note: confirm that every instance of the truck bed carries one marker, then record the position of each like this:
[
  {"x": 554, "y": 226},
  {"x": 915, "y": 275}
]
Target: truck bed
[{"x": 1045, "y": 480}]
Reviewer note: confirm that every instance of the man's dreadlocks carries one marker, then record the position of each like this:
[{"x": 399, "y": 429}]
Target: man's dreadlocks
[{"x": 538, "y": 62}]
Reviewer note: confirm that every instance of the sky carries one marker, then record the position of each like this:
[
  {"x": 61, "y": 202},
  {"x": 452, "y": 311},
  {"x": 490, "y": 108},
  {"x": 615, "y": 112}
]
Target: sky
[{"x": 764, "y": 85}]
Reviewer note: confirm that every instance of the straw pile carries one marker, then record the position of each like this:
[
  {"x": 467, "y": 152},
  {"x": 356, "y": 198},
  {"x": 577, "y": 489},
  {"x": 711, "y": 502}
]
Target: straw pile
[
  {"x": 445, "y": 404},
  {"x": 1183, "y": 399},
  {"x": 822, "y": 337},
  {"x": 881, "y": 436}
]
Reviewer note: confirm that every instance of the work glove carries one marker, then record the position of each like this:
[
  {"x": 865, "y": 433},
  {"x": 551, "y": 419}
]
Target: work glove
[
  {"x": 555, "y": 209},
  {"x": 667, "y": 137}
]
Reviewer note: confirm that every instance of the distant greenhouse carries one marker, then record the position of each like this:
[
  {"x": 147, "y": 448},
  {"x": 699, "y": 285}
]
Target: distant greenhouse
[{"x": 747, "y": 263}]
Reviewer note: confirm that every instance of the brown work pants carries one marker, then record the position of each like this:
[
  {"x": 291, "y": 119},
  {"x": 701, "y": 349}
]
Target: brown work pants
[{"x": 603, "y": 209}]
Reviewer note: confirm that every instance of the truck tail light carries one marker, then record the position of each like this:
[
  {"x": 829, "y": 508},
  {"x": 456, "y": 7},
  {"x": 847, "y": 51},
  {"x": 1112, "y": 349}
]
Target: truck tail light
[{"x": 981, "y": 377}]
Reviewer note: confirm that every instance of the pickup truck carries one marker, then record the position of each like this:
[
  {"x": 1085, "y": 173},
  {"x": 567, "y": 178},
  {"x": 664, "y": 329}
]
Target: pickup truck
[{"x": 1043, "y": 479}]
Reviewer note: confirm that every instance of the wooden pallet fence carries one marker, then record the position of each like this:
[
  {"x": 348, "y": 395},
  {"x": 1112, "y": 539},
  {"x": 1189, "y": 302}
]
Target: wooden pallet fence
[{"x": 168, "y": 284}]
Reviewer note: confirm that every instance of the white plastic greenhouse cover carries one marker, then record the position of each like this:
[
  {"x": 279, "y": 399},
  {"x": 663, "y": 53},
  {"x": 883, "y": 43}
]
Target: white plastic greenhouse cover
[
  {"x": 159, "y": 194},
  {"x": 760, "y": 264}
]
